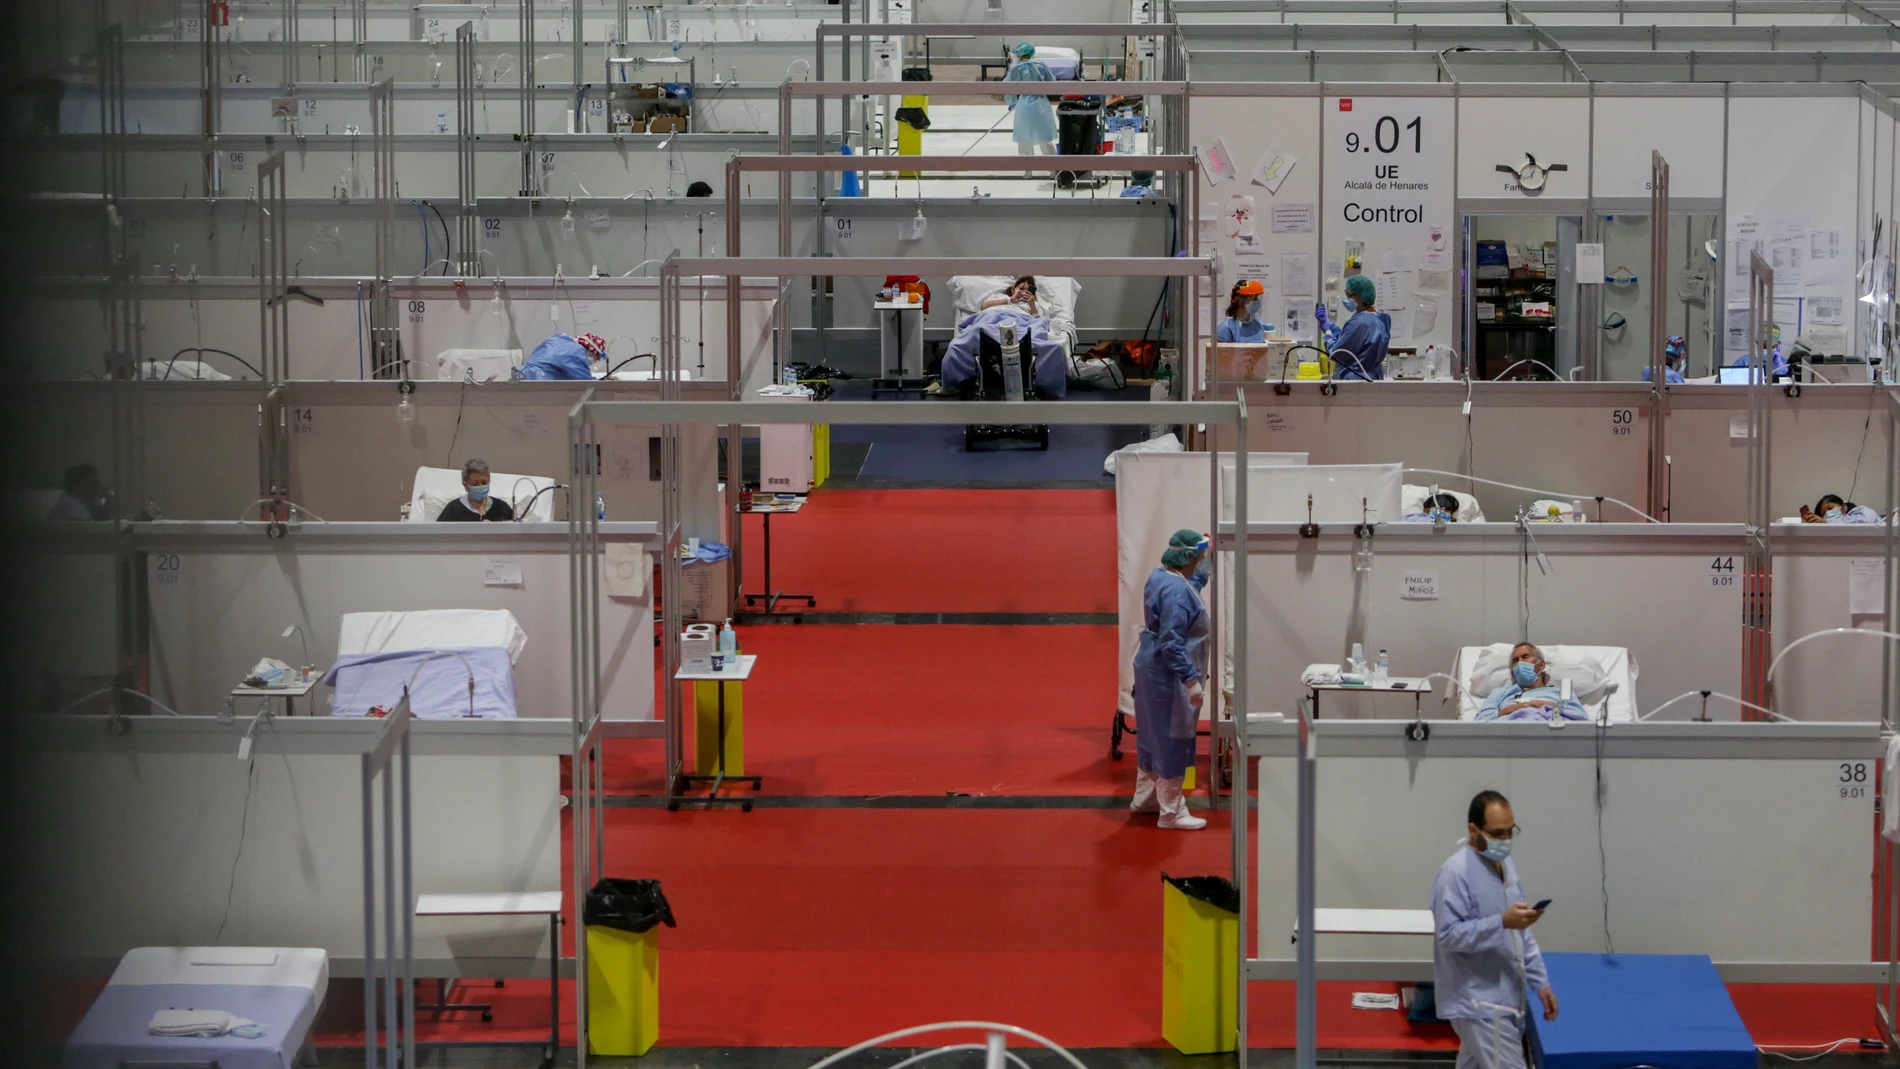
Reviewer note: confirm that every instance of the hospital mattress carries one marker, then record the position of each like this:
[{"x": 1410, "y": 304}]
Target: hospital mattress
[
  {"x": 280, "y": 988},
  {"x": 1670, "y": 1011}
]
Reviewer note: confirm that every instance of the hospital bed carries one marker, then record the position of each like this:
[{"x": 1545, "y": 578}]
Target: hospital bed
[
  {"x": 436, "y": 487},
  {"x": 1055, "y": 295},
  {"x": 1412, "y": 502},
  {"x": 454, "y": 663},
  {"x": 1603, "y": 678},
  {"x": 477, "y": 365},
  {"x": 280, "y": 988}
]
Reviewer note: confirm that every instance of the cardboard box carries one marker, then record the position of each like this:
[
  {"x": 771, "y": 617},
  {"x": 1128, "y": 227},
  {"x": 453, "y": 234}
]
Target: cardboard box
[{"x": 667, "y": 124}]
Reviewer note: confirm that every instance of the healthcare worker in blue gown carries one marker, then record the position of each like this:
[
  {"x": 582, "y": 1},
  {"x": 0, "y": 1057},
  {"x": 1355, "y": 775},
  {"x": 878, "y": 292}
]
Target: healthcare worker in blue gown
[
  {"x": 1170, "y": 676},
  {"x": 1365, "y": 335},
  {"x": 1035, "y": 124}
]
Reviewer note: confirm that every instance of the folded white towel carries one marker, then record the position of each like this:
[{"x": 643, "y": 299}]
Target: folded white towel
[
  {"x": 1372, "y": 1000},
  {"x": 195, "y": 1023},
  {"x": 1320, "y": 674}
]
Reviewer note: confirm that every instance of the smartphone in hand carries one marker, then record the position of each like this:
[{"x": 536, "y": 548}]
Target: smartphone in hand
[{"x": 1542, "y": 905}]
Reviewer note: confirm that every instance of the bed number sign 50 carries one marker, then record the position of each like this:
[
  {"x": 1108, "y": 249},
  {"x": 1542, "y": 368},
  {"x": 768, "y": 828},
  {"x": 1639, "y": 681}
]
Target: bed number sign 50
[
  {"x": 165, "y": 569},
  {"x": 1722, "y": 571},
  {"x": 1622, "y": 422},
  {"x": 1851, "y": 778}
]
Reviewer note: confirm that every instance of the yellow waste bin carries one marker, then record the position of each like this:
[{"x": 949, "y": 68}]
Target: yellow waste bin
[
  {"x": 1199, "y": 944},
  {"x": 623, "y": 990},
  {"x": 910, "y": 140},
  {"x": 622, "y": 919}
]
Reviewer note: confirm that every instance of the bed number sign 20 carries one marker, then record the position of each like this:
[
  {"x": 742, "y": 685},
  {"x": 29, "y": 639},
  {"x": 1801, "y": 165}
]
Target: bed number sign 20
[
  {"x": 1722, "y": 571},
  {"x": 165, "y": 569},
  {"x": 1851, "y": 778}
]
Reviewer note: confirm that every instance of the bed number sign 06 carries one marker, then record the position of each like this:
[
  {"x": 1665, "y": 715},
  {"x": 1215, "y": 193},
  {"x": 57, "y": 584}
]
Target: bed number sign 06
[
  {"x": 1851, "y": 778},
  {"x": 1722, "y": 571},
  {"x": 1622, "y": 422},
  {"x": 165, "y": 569}
]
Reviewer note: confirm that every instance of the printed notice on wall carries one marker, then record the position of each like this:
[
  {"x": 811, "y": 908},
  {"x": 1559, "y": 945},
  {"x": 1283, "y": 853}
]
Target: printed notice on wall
[
  {"x": 1296, "y": 274},
  {"x": 501, "y": 571},
  {"x": 1387, "y": 165},
  {"x": 1419, "y": 586},
  {"x": 1866, "y": 587},
  {"x": 1293, "y": 218}
]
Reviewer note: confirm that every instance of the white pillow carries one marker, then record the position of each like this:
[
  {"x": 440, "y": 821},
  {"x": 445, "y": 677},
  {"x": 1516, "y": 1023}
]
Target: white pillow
[
  {"x": 1055, "y": 294},
  {"x": 1412, "y": 500},
  {"x": 486, "y": 365},
  {"x": 1540, "y": 509},
  {"x": 436, "y": 487},
  {"x": 1587, "y": 673}
]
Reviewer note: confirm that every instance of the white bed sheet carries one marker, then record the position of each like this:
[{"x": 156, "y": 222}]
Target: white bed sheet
[
  {"x": 485, "y": 365},
  {"x": 1614, "y": 664},
  {"x": 1056, "y": 296},
  {"x": 431, "y": 629},
  {"x": 1412, "y": 502},
  {"x": 304, "y": 967}
]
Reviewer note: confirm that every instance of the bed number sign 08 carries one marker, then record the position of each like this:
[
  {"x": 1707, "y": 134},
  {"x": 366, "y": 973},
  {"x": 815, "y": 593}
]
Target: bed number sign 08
[
  {"x": 417, "y": 310},
  {"x": 165, "y": 569},
  {"x": 1722, "y": 571},
  {"x": 1851, "y": 777},
  {"x": 1622, "y": 422}
]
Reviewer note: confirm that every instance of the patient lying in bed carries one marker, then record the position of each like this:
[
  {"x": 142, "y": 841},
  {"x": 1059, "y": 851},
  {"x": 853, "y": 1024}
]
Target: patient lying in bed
[
  {"x": 1530, "y": 694},
  {"x": 960, "y": 360}
]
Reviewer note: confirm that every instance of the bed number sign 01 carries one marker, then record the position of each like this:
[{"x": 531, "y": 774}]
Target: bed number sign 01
[
  {"x": 1851, "y": 777},
  {"x": 841, "y": 230},
  {"x": 165, "y": 569},
  {"x": 1622, "y": 422},
  {"x": 1722, "y": 571}
]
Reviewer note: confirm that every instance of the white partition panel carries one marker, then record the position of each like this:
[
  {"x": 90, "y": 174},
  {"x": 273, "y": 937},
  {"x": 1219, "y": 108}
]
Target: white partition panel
[
  {"x": 222, "y": 594},
  {"x": 1686, "y": 130},
  {"x": 1389, "y": 814},
  {"x": 1644, "y": 587},
  {"x": 1495, "y": 130},
  {"x": 1816, "y": 565}
]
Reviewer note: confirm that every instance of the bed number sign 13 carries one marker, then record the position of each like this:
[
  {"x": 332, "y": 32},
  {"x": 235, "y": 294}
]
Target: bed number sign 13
[
  {"x": 1851, "y": 777},
  {"x": 1722, "y": 571}
]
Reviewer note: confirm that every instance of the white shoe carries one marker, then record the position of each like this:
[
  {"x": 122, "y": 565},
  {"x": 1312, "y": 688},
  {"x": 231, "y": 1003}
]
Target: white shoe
[
  {"x": 1144, "y": 793},
  {"x": 1174, "y": 807}
]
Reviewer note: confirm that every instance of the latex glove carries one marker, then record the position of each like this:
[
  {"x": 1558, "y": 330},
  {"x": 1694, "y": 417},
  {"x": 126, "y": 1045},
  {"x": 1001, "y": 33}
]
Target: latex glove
[{"x": 1196, "y": 694}]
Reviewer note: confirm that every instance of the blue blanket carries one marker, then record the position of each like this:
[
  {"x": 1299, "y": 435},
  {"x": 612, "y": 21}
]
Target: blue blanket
[
  {"x": 960, "y": 360},
  {"x": 113, "y": 1032},
  {"x": 440, "y": 690}
]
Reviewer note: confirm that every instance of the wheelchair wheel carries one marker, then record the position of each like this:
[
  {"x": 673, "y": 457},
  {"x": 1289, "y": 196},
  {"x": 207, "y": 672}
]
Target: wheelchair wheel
[
  {"x": 1042, "y": 438},
  {"x": 969, "y": 439}
]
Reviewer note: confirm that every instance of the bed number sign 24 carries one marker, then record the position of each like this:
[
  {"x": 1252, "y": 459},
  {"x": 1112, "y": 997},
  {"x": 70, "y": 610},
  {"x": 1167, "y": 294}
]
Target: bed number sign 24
[
  {"x": 1852, "y": 777},
  {"x": 1722, "y": 571}
]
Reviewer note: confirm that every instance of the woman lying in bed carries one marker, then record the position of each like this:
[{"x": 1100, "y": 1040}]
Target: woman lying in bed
[{"x": 1017, "y": 307}]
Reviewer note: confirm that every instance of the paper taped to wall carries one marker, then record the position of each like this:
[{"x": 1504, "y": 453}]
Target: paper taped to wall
[
  {"x": 1273, "y": 168},
  {"x": 1866, "y": 587}
]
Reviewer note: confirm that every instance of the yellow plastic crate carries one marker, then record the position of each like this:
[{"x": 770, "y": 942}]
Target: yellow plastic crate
[
  {"x": 623, "y": 991},
  {"x": 1198, "y": 947}
]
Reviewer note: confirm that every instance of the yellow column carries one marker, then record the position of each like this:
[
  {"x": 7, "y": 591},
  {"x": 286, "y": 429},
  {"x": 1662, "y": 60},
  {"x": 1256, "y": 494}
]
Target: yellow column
[{"x": 706, "y": 727}]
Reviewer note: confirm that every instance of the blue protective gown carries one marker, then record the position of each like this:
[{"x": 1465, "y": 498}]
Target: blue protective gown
[
  {"x": 1035, "y": 119},
  {"x": 1171, "y": 655},
  {"x": 1245, "y": 331},
  {"x": 1857, "y": 514},
  {"x": 1366, "y": 336},
  {"x": 1671, "y": 377}
]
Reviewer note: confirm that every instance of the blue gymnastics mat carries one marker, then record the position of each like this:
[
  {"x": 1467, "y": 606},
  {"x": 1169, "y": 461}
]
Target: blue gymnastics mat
[{"x": 1670, "y": 1011}]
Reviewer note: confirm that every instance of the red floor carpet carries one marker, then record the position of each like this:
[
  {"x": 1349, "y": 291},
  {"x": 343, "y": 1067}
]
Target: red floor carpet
[
  {"x": 920, "y": 709},
  {"x": 823, "y": 927},
  {"x": 944, "y": 551}
]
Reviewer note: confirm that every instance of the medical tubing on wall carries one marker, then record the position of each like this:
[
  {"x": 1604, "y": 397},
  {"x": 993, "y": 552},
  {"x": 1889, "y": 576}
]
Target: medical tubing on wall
[
  {"x": 1532, "y": 490},
  {"x": 1714, "y": 694}
]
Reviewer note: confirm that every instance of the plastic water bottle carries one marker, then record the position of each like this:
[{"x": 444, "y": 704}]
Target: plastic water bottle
[
  {"x": 441, "y": 122},
  {"x": 1576, "y": 512},
  {"x": 1384, "y": 667},
  {"x": 600, "y": 507},
  {"x": 1012, "y": 366}
]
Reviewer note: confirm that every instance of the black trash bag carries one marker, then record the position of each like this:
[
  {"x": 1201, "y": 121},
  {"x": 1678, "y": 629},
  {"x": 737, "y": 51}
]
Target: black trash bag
[
  {"x": 1424, "y": 1008},
  {"x": 914, "y": 117},
  {"x": 916, "y": 74},
  {"x": 629, "y": 905},
  {"x": 1216, "y": 891}
]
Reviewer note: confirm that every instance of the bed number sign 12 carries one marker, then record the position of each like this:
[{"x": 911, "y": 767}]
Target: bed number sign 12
[
  {"x": 1852, "y": 777},
  {"x": 1722, "y": 571}
]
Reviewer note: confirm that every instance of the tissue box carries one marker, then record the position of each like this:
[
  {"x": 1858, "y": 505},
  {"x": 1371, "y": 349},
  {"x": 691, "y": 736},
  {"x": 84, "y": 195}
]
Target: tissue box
[{"x": 696, "y": 647}]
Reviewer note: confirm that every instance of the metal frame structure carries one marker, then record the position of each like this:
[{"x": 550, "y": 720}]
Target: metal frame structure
[
  {"x": 273, "y": 316},
  {"x": 387, "y": 759},
  {"x": 1758, "y": 567},
  {"x": 1658, "y": 500},
  {"x": 385, "y": 337},
  {"x": 468, "y": 224}
]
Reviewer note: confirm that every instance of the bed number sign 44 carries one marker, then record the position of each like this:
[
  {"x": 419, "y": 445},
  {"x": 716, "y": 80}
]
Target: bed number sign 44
[
  {"x": 1722, "y": 571},
  {"x": 1853, "y": 779}
]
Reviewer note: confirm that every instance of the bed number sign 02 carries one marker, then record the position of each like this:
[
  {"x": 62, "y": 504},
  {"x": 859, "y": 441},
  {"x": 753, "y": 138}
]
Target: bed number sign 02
[
  {"x": 165, "y": 569},
  {"x": 1853, "y": 779},
  {"x": 1722, "y": 571},
  {"x": 1622, "y": 422}
]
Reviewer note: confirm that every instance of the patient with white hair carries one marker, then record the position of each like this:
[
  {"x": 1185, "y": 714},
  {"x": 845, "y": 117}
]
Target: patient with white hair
[{"x": 1530, "y": 694}]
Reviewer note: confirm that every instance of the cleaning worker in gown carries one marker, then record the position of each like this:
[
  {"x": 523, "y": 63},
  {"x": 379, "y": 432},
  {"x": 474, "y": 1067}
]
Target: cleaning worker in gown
[
  {"x": 1035, "y": 124},
  {"x": 1170, "y": 679}
]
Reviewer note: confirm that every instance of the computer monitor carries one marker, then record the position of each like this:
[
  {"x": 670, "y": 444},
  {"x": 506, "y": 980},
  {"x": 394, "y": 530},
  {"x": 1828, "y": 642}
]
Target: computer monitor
[{"x": 1732, "y": 376}]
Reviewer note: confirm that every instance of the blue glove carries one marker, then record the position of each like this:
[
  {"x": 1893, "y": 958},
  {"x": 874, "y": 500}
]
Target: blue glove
[{"x": 1320, "y": 317}]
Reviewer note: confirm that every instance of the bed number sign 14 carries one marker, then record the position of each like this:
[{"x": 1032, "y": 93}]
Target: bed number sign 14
[
  {"x": 1853, "y": 778},
  {"x": 1722, "y": 571}
]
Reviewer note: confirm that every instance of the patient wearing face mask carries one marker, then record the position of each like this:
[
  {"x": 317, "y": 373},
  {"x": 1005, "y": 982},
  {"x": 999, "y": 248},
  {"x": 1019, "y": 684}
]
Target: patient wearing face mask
[
  {"x": 475, "y": 505},
  {"x": 1530, "y": 694},
  {"x": 1832, "y": 509},
  {"x": 1436, "y": 508}
]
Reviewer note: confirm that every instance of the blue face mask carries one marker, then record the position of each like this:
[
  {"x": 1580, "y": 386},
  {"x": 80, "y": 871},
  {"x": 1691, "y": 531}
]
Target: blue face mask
[
  {"x": 1495, "y": 849},
  {"x": 478, "y": 494},
  {"x": 1525, "y": 673},
  {"x": 1253, "y": 308}
]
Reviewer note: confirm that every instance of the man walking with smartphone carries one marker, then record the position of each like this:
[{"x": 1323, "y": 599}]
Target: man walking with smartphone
[{"x": 1483, "y": 954}]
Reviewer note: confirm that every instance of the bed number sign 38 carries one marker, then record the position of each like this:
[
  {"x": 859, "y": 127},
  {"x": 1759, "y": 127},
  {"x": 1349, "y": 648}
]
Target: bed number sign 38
[{"x": 1851, "y": 777}]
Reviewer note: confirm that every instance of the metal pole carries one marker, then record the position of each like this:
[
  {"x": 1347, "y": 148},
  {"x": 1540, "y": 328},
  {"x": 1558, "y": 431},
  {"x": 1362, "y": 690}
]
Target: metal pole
[
  {"x": 1757, "y": 576},
  {"x": 1658, "y": 499},
  {"x": 468, "y": 224},
  {"x": 1306, "y": 973},
  {"x": 1239, "y": 804},
  {"x": 408, "y": 913},
  {"x": 369, "y": 919}
]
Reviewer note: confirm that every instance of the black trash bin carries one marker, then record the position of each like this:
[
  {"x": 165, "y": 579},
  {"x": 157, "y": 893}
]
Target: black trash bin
[{"x": 1078, "y": 133}]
